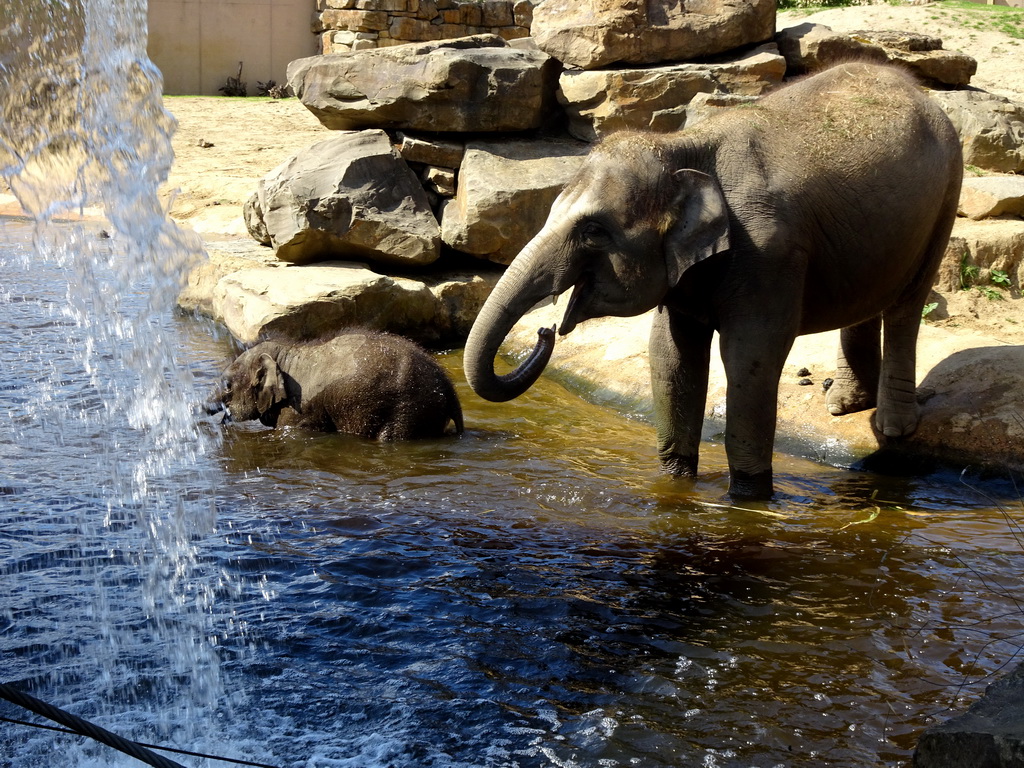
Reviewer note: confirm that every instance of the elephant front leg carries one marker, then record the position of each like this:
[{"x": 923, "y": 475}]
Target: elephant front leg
[
  {"x": 858, "y": 366},
  {"x": 753, "y": 359},
  {"x": 680, "y": 353}
]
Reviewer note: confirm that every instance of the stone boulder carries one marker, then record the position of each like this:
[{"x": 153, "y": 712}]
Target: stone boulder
[
  {"x": 990, "y": 734},
  {"x": 350, "y": 196},
  {"x": 253, "y": 294},
  {"x": 987, "y": 196},
  {"x": 471, "y": 84},
  {"x": 991, "y": 128},
  {"x": 589, "y": 34},
  {"x": 505, "y": 192},
  {"x": 252, "y": 214},
  {"x": 810, "y": 47},
  {"x": 974, "y": 409},
  {"x": 993, "y": 244},
  {"x": 656, "y": 98}
]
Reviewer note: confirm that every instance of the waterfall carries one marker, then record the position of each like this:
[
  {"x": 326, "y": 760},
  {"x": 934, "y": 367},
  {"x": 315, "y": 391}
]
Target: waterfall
[{"x": 84, "y": 148}]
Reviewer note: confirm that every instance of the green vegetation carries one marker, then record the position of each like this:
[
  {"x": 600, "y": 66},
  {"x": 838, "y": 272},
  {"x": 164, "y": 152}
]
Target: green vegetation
[
  {"x": 971, "y": 16},
  {"x": 968, "y": 272},
  {"x": 928, "y": 309},
  {"x": 818, "y": 5},
  {"x": 986, "y": 18},
  {"x": 998, "y": 280}
]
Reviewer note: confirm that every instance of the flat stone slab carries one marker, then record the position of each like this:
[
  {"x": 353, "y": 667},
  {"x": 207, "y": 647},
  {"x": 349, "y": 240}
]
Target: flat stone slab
[
  {"x": 810, "y": 47},
  {"x": 983, "y": 197},
  {"x": 253, "y": 295},
  {"x": 471, "y": 84},
  {"x": 656, "y": 98},
  {"x": 591, "y": 34}
]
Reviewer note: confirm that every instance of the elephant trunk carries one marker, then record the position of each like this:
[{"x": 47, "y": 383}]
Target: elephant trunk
[{"x": 519, "y": 289}]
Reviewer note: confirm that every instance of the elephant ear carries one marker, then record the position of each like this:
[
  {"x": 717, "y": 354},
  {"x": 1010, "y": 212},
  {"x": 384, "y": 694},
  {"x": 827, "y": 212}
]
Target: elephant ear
[
  {"x": 701, "y": 226},
  {"x": 268, "y": 384}
]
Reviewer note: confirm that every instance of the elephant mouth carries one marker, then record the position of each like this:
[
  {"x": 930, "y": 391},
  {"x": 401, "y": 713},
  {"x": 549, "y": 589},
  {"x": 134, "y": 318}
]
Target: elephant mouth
[
  {"x": 217, "y": 411},
  {"x": 572, "y": 317}
]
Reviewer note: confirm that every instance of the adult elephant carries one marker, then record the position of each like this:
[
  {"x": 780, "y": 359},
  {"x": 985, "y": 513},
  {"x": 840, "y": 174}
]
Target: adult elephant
[
  {"x": 374, "y": 385},
  {"x": 827, "y": 204}
]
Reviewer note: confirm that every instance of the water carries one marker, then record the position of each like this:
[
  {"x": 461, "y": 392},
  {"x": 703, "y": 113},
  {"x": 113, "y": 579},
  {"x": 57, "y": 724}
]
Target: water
[{"x": 532, "y": 594}]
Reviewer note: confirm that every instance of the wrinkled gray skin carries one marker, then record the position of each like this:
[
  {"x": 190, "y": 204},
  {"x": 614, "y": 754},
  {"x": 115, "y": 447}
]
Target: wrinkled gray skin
[
  {"x": 374, "y": 385},
  {"x": 826, "y": 205}
]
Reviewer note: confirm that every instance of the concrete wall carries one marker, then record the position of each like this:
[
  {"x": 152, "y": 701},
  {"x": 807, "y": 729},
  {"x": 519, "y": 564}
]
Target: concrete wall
[{"x": 197, "y": 44}]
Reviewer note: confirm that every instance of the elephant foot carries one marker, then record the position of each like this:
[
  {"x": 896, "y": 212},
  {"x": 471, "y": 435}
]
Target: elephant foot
[
  {"x": 848, "y": 397},
  {"x": 747, "y": 486},
  {"x": 680, "y": 466},
  {"x": 897, "y": 422}
]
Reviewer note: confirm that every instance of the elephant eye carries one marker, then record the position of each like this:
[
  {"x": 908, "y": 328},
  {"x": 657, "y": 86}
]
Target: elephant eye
[{"x": 593, "y": 233}]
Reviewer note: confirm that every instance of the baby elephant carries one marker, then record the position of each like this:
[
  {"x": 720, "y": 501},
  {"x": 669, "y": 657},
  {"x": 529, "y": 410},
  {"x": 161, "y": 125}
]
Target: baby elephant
[{"x": 374, "y": 385}]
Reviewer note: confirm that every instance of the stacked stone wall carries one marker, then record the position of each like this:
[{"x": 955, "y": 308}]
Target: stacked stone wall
[{"x": 353, "y": 25}]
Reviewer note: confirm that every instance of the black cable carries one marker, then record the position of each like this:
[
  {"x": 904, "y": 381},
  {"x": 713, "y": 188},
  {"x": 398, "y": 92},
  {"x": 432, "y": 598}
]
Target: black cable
[
  {"x": 76, "y": 725},
  {"x": 58, "y": 729}
]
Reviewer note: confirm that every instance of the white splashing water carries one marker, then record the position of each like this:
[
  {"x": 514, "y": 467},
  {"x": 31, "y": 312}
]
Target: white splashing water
[{"x": 84, "y": 147}]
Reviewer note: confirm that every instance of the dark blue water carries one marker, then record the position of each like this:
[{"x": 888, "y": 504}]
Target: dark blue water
[{"x": 532, "y": 594}]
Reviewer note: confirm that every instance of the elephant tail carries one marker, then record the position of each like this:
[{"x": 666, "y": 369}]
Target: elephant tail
[{"x": 456, "y": 415}]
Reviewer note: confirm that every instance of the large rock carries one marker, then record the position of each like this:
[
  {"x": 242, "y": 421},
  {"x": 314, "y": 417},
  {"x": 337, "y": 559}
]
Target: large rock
[
  {"x": 350, "y": 196},
  {"x": 811, "y": 47},
  {"x": 656, "y": 98},
  {"x": 991, "y": 128},
  {"x": 974, "y": 415},
  {"x": 990, "y": 734},
  {"x": 505, "y": 192},
  {"x": 993, "y": 244},
  {"x": 471, "y": 84},
  {"x": 986, "y": 196},
  {"x": 253, "y": 295},
  {"x": 589, "y": 34}
]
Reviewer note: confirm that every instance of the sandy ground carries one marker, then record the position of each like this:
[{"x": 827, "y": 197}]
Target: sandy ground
[{"x": 222, "y": 147}]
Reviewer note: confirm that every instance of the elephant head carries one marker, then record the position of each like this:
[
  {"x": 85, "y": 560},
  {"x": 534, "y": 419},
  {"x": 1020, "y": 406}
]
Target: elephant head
[
  {"x": 621, "y": 234},
  {"x": 252, "y": 387}
]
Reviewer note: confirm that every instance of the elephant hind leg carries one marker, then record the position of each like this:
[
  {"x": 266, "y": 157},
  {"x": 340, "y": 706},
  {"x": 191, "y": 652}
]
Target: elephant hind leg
[
  {"x": 898, "y": 413},
  {"x": 858, "y": 367}
]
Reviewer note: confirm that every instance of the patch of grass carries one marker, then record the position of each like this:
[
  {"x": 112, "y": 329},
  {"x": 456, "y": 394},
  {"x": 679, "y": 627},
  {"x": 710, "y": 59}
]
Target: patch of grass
[
  {"x": 968, "y": 272},
  {"x": 818, "y": 5},
  {"x": 987, "y": 18},
  {"x": 991, "y": 293},
  {"x": 999, "y": 280}
]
